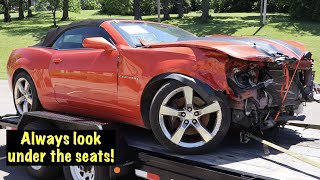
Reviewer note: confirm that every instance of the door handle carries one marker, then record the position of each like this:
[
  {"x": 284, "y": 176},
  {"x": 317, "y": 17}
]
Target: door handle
[{"x": 57, "y": 61}]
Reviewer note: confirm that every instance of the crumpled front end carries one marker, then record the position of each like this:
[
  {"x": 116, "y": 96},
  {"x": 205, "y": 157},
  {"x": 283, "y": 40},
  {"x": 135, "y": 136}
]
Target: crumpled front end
[
  {"x": 272, "y": 93},
  {"x": 268, "y": 79}
]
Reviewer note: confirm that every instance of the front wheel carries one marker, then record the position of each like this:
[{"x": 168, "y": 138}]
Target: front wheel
[{"x": 185, "y": 122}]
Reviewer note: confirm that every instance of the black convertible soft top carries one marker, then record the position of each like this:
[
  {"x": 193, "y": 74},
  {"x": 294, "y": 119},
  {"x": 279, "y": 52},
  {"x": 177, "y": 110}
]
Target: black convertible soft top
[{"x": 54, "y": 33}]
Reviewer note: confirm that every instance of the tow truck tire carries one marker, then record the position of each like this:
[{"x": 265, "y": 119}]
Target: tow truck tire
[
  {"x": 24, "y": 79},
  {"x": 214, "y": 118},
  {"x": 77, "y": 173},
  {"x": 42, "y": 172}
]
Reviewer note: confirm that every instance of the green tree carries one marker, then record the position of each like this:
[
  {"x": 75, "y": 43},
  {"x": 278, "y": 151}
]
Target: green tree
[
  {"x": 74, "y": 6},
  {"x": 65, "y": 10},
  {"x": 148, "y": 7},
  {"x": 205, "y": 10},
  {"x": 305, "y": 9},
  {"x": 6, "y": 10},
  {"x": 117, "y": 7},
  {"x": 165, "y": 8},
  {"x": 21, "y": 10},
  {"x": 53, "y": 6},
  {"x": 236, "y": 5},
  {"x": 180, "y": 8},
  {"x": 70, "y": 5},
  {"x": 281, "y": 6},
  {"x": 195, "y": 5},
  {"x": 137, "y": 9},
  {"x": 42, "y": 5},
  {"x": 29, "y": 10},
  {"x": 90, "y": 4}
]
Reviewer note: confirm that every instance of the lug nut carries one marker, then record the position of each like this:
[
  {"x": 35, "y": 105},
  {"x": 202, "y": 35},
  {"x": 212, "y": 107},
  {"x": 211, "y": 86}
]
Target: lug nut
[
  {"x": 196, "y": 113},
  {"x": 189, "y": 109},
  {"x": 194, "y": 121},
  {"x": 186, "y": 121},
  {"x": 183, "y": 114}
]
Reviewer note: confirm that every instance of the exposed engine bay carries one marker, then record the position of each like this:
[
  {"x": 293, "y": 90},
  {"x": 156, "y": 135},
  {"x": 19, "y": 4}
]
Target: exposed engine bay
[{"x": 270, "y": 94}]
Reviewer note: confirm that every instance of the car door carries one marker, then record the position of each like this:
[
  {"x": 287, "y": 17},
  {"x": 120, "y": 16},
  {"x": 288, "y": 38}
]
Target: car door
[{"x": 84, "y": 78}]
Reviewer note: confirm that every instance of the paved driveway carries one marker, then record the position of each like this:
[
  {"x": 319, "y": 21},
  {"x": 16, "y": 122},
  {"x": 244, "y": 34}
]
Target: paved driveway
[{"x": 7, "y": 107}]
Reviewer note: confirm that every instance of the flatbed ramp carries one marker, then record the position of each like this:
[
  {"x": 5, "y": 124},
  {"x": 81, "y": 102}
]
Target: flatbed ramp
[{"x": 247, "y": 159}]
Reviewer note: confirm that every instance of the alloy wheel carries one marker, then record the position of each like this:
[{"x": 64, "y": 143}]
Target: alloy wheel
[
  {"x": 82, "y": 172},
  {"x": 186, "y": 120},
  {"x": 23, "y": 95},
  {"x": 37, "y": 168}
]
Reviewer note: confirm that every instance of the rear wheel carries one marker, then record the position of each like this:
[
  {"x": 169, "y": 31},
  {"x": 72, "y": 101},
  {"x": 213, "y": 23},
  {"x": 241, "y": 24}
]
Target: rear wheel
[
  {"x": 24, "y": 94},
  {"x": 42, "y": 172},
  {"x": 86, "y": 172},
  {"x": 184, "y": 122}
]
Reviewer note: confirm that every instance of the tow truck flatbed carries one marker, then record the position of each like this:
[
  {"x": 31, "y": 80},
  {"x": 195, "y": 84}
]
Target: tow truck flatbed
[
  {"x": 232, "y": 160},
  {"x": 249, "y": 159}
]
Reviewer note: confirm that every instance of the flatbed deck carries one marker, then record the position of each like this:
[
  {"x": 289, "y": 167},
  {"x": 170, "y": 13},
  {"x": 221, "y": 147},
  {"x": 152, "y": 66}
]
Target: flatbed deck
[
  {"x": 247, "y": 159},
  {"x": 231, "y": 159}
]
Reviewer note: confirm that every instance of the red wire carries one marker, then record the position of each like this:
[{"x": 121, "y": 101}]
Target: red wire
[{"x": 287, "y": 86}]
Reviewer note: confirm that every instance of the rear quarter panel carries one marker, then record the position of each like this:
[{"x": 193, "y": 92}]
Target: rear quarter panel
[{"x": 36, "y": 62}]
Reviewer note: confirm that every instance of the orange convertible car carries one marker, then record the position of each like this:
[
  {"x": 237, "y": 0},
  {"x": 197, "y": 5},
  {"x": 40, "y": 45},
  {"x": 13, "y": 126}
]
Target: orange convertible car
[{"x": 187, "y": 89}]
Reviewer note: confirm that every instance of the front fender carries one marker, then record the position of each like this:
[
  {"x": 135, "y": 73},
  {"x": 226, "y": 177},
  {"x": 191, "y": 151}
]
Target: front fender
[{"x": 203, "y": 89}]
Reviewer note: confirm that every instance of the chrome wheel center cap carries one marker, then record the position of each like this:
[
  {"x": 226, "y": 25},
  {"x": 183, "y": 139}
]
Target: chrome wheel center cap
[{"x": 189, "y": 115}]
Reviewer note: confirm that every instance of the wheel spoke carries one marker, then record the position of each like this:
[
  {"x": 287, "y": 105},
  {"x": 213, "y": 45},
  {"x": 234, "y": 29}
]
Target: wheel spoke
[
  {"x": 19, "y": 100},
  {"x": 29, "y": 100},
  {"x": 214, "y": 107},
  {"x": 177, "y": 136},
  {"x": 206, "y": 136},
  {"x": 165, "y": 110},
  {"x": 26, "y": 87},
  {"x": 25, "y": 106},
  {"x": 21, "y": 88},
  {"x": 188, "y": 95}
]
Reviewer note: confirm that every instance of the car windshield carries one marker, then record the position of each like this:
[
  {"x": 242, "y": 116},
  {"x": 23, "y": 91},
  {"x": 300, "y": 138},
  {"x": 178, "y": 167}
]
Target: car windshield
[{"x": 133, "y": 32}]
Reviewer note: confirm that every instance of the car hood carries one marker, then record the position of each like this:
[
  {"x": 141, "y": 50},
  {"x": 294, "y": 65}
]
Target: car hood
[{"x": 246, "y": 48}]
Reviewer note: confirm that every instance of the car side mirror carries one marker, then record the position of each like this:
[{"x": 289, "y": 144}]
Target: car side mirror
[{"x": 98, "y": 43}]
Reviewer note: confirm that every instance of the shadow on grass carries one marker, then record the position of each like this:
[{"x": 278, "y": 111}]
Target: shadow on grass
[
  {"x": 286, "y": 23},
  {"x": 300, "y": 27},
  {"x": 38, "y": 32},
  {"x": 40, "y": 23},
  {"x": 215, "y": 25},
  {"x": 36, "y": 26}
]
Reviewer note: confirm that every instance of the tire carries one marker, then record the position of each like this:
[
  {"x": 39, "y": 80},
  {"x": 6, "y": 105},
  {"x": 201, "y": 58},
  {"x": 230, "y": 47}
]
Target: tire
[
  {"x": 29, "y": 97},
  {"x": 165, "y": 126},
  {"x": 97, "y": 173},
  {"x": 42, "y": 172}
]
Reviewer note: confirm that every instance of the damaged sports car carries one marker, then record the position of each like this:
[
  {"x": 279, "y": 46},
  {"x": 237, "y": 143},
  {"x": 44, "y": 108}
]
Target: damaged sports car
[{"x": 188, "y": 90}]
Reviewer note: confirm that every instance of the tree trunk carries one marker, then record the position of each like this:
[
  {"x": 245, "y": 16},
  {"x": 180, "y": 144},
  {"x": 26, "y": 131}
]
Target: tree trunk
[
  {"x": 29, "y": 10},
  {"x": 65, "y": 15},
  {"x": 7, "y": 16},
  {"x": 180, "y": 8},
  {"x": 166, "y": 15},
  {"x": 205, "y": 10},
  {"x": 137, "y": 12},
  {"x": 21, "y": 15},
  {"x": 193, "y": 5},
  {"x": 54, "y": 18}
]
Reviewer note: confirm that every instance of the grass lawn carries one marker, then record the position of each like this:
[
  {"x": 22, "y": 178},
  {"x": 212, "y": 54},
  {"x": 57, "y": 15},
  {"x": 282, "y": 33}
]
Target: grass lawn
[{"x": 28, "y": 32}]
